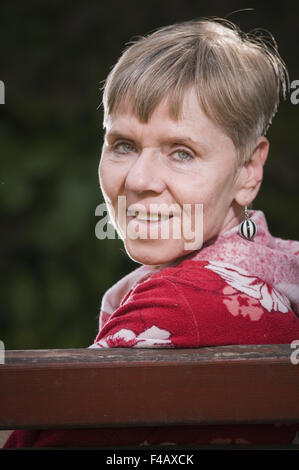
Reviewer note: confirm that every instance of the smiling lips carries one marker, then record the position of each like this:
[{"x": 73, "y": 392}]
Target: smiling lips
[
  {"x": 153, "y": 222},
  {"x": 148, "y": 216}
]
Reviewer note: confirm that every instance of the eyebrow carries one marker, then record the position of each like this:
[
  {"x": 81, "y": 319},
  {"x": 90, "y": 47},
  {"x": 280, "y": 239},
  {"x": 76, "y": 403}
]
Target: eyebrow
[
  {"x": 188, "y": 141},
  {"x": 117, "y": 135}
]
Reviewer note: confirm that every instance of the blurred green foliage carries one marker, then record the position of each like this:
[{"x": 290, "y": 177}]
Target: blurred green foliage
[{"x": 53, "y": 57}]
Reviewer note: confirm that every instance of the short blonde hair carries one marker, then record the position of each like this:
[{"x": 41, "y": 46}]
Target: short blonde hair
[{"x": 238, "y": 77}]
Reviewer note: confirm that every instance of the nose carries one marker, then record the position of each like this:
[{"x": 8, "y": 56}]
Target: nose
[{"x": 145, "y": 174}]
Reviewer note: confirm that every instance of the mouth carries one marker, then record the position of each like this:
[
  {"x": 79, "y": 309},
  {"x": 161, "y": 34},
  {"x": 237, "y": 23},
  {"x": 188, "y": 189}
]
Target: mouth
[{"x": 147, "y": 217}]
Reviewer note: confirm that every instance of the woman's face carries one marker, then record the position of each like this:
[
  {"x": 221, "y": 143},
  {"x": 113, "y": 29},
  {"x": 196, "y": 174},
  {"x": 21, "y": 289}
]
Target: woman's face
[{"x": 189, "y": 163}]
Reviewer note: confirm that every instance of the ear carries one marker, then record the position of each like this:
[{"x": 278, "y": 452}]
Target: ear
[{"x": 251, "y": 174}]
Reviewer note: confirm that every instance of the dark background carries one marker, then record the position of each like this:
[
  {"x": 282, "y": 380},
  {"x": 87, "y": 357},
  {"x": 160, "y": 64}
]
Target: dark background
[{"x": 53, "y": 57}]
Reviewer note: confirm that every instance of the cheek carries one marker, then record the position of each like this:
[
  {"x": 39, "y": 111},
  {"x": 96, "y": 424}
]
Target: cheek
[
  {"x": 198, "y": 189},
  {"x": 208, "y": 188},
  {"x": 101, "y": 170},
  {"x": 110, "y": 179}
]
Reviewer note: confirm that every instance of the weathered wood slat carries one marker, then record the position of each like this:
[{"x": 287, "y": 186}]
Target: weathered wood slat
[{"x": 136, "y": 387}]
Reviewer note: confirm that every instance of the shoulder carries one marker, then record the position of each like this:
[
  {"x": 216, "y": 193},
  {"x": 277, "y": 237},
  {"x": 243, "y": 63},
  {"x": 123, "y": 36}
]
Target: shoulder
[
  {"x": 179, "y": 278},
  {"x": 244, "y": 307},
  {"x": 200, "y": 304},
  {"x": 177, "y": 288},
  {"x": 230, "y": 284},
  {"x": 210, "y": 280}
]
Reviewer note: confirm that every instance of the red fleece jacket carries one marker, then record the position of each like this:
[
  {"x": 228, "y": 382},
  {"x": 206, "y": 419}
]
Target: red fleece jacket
[{"x": 196, "y": 303}]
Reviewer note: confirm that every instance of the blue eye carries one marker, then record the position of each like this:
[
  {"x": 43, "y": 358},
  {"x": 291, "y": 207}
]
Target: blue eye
[
  {"x": 182, "y": 155},
  {"x": 124, "y": 147}
]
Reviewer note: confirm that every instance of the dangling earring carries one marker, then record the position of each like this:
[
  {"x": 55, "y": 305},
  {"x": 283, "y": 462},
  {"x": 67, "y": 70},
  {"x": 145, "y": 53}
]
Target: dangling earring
[{"x": 247, "y": 228}]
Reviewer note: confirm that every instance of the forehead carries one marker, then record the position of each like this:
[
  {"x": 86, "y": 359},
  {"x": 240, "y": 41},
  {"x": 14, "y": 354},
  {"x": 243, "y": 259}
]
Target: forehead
[
  {"x": 192, "y": 122},
  {"x": 127, "y": 107}
]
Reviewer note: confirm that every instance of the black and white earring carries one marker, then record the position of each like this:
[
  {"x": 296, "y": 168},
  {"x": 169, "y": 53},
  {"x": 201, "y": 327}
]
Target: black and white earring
[{"x": 247, "y": 228}]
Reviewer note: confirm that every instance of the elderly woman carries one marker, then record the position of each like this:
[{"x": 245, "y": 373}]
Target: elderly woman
[{"x": 186, "y": 110}]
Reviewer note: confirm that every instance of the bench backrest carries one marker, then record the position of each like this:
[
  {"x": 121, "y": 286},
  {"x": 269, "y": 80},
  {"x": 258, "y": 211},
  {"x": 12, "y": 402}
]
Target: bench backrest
[{"x": 106, "y": 387}]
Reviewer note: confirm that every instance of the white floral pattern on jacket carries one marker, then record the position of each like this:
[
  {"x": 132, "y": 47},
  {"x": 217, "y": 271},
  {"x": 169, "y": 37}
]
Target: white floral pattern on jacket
[
  {"x": 153, "y": 336},
  {"x": 239, "y": 279}
]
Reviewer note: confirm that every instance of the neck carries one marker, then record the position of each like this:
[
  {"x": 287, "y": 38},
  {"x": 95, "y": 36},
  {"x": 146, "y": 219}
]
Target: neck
[{"x": 233, "y": 218}]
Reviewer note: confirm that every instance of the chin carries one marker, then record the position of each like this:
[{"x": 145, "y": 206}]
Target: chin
[{"x": 154, "y": 252}]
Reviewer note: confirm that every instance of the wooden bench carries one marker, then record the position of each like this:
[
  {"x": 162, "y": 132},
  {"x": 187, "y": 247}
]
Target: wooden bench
[{"x": 136, "y": 387}]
